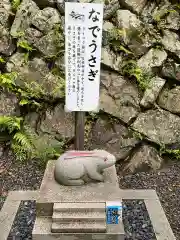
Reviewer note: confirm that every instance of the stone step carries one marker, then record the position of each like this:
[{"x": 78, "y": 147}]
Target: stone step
[
  {"x": 80, "y": 207},
  {"x": 84, "y": 216},
  {"x": 42, "y": 231},
  {"x": 79, "y": 227}
]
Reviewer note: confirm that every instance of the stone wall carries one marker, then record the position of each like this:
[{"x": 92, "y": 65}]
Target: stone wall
[{"x": 140, "y": 78}]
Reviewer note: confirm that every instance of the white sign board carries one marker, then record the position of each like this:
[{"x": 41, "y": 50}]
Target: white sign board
[{"x": 83, "y": 36}]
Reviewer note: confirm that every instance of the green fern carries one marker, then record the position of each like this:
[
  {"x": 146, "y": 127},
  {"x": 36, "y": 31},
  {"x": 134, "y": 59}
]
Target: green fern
[
  {"x": 25, "y": 147},
  {"x": 19, "y": 152},
  {"x": 23, "y": 144},
  {"x": 10, "y": 124},
  {"x": 24, "y": 140}
]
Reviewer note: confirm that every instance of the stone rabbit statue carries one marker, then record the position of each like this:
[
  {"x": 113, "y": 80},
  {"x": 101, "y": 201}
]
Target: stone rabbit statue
[{"x": 78, "y": 167}]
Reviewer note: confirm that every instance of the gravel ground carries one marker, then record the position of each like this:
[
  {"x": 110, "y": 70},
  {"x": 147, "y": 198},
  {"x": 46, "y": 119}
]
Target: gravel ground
[
  {"x": 135, "y": 217},
  {"x": 18, "y": 176},
  {"x": 166, "y": 182},
  {"x": 24, "y": 221},
  {"x": 137, "y": 223}
]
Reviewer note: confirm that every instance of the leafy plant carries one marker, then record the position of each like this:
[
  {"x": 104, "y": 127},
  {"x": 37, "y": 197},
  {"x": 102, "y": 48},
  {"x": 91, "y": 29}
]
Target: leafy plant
[
  {"x": 2, "y": 60},
  {"x": 114, "y": 38},
  {"x": 92, "y": 116},
  {"x": 7, "y": 80},
  {"x": 24, "y": 102},
  {"x": 117, "y": 33},
  {"x": 21, "y": 141},
  {"x": 10, "y": 123},
  {"x": 131, "y": 69},
  {"x": 172, "y": 152},
  {"x": 60, "y": 87},
  {"x": 125, "y": 50},
  {"x": 57, "y": 71},
  {"x": 59, "y": 41},
  {"x": 28, "y": 94},
  {"x": 28, "y": 98},
  {"x": 22, "y": 144},
  {"x": 47, "y": 152},
  {"x": 30, "y": 102},
  {"x": 177, "y": 6},
  {"x": 15, "y": 4},
  {"x": 25, "y": 45},
  {"x": 87, "y": 131},
  {"x": 24, "y": 140},
  {"x": 18, "y": 34},
  {"x": 158, "y": 45},
  {"x": 137, "y": 135},
  {"x": 162, "y": 14}
]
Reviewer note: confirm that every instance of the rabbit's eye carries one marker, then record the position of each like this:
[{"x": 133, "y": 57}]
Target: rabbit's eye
[{"x": 105, "y": 159}]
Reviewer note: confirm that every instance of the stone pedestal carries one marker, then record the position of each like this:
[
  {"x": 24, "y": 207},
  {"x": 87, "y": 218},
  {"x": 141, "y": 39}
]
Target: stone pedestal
[{"x": 76, "y": 212}]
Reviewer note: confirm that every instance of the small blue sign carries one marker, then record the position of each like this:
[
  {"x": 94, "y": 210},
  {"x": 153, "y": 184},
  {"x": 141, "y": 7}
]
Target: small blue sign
[{"x": 112, "y": 214}]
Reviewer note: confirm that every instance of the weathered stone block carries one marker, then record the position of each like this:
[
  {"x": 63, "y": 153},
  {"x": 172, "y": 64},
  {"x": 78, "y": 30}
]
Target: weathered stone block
[
  {"x": 119, "y": 97},
  {"x": 159, "y": 126}
]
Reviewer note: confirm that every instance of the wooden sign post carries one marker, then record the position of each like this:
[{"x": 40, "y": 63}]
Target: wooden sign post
[
  {"x": 83, "y": 36},
  {"x": 79, "y": 130}
]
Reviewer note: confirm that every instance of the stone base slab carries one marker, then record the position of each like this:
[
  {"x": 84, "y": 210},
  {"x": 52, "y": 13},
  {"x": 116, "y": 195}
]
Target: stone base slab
[
  {"x": 42, "y": 228},
  {"x": 42, "y": 231},
  {"x": 158, "y": 218}
]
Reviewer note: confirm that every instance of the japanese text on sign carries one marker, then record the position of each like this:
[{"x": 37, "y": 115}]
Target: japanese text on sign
[{"x": 83, "y": 31}]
